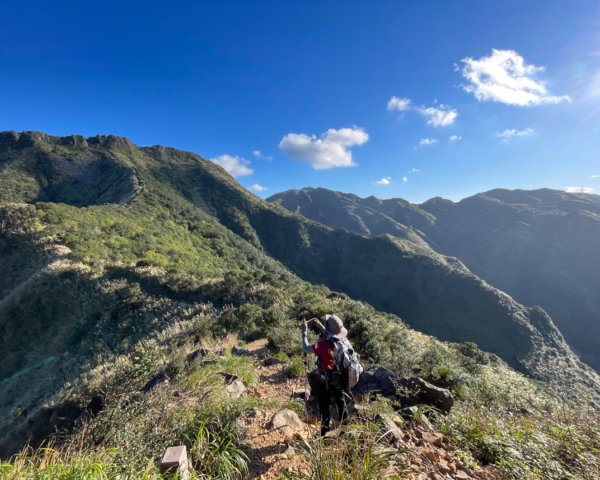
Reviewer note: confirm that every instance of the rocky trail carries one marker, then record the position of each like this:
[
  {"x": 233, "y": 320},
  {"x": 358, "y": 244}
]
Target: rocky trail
[{"x": 277, "y": 438}]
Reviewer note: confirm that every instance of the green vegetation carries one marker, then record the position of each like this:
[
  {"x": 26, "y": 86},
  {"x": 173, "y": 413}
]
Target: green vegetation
[
  {"x": 539, "y": 246},
  {"x": 95, "y": 300}
]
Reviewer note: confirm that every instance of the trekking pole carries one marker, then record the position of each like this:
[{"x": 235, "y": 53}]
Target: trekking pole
[{"x": 306, "y": 382}]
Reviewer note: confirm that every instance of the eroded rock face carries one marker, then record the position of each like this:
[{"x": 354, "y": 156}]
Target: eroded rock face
[{"x": 405, "y": 391}]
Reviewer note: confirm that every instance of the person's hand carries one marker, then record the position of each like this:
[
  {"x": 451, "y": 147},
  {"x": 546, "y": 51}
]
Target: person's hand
[{"x": 304, "y": 326}]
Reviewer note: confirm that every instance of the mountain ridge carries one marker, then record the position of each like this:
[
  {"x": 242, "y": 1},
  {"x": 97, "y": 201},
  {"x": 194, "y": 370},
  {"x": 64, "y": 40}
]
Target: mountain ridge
[
  {"x": 197, "y": 230},
  {"x": 553, "y": 229}
]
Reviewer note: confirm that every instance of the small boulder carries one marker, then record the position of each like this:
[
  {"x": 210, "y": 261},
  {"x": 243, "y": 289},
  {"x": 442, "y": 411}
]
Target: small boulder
[
  {"x": 434, "y": 438},
  {"x": 200, "y": 352},
  {"x": 155, "y": 381},
  {"x": 407, "y": 392},
  {"x": 290, "y": 452},
  {"x": 288, "y": 421},
  {"x": 235, "y": 389},
  {"x": 240, "y": 352},
  {"x": 270, "y": 361}
]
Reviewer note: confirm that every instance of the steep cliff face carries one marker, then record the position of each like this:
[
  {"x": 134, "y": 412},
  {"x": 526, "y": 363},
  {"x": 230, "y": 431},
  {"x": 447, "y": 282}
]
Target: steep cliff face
[{"x": 538, "y": 246}]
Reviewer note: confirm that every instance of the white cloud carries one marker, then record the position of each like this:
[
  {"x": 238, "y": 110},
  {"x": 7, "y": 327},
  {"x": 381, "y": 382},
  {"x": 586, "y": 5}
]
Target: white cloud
[
  {"x": 404, "y": 179},
  {"x": 441, "y": 116},
  {"x": 400, "y": 104},
  {"x": 259, "y": 154},
  {"x": 258, "y": 188},
  {"x": 234, "y": 165},
  {"x": 503, "y": 76},
  {"x": 579, "y": 189},
  {"x": 414, "y": 170},
  {"x": 384, "y": 181},
  {"x": 594, "y": 176},
  {"x": 331, "y": 149},
  {"x": 427, "y": 141},
  {"x": 512, "y": 132},
  {"x": 455, "y": 138}
]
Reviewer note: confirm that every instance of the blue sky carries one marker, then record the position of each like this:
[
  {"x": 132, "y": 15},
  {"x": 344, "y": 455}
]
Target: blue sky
[{"x": 308, "y": 85}]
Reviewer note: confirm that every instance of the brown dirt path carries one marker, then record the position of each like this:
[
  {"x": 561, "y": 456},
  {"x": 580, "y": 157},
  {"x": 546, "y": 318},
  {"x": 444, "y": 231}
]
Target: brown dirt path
[{"x": 269, "y": 446}]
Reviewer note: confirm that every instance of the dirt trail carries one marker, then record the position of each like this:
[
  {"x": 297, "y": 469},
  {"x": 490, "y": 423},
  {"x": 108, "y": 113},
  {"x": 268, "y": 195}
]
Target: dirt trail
[
  {"x": 269, "y": 446},
  {"x": 425, "y": 454}
]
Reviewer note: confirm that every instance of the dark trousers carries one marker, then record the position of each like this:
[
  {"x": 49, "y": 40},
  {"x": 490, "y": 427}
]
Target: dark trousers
[{"x": 325, "y": 393}]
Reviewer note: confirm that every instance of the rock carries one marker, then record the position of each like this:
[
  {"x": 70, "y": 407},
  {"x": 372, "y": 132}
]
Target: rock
[
  {"x": 235, "y": 389},
  {"x": 412, "y": 413},
  {"x": 406, "y": 391},
  {"x": 392, "y": 432},
  {"x": 431, "y": 455},
  {"x": 434, "y": 438},
  {"x": 240, "y": 352},
  {"x": 376, "y": 380},
  {"x": 229, "y": 377},
  {"x": 288, "y": 421},
  {"x": 299, "y": 394},
  {"x": 175, "y": 462},
  {"x": 460, "y": 475},
  {"x": 155, "y": 381},
  {"x": 398, "y": 420},
  {"x": 415, "y": 390},
  {"x": 270, "y": 361},
  {"x": 200, "y": 352},
  {"x": 290, "y": 452}
]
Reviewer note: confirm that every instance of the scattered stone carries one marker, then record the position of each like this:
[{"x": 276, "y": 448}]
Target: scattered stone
[
  {"x": 270, "y": 361},
  {"x": 205, "y": 363},
  {"x": 412, "y": 413},
  {"x": 240, "y": 352},
  {"x": 288, "y": 421},
  {"x": 392, "y": 432},
  {"x": 431, "y": 455},
  {"x": 398, "y": 420},
  {"x": 460, "y": 475},
  {"x": 290, "y": 452},
  {"x": 175, "y": 462},
  {"x": 434, "y": 438},
  {"x": 155, "y": 381},
  {"x": 201, "y": 352},
  {"x": 299, "y": 394},
  {"x": 229, "y": 377},
  {"x": 235, "y": 389}
]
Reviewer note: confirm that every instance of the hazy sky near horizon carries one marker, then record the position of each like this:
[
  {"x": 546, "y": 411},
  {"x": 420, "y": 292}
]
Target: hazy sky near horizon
[{"x": 386, "y": 98}]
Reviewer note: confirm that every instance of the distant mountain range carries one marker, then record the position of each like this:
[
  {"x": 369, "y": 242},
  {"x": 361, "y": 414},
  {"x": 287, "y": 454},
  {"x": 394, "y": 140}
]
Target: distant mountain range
[
  {"x": 103, "y": 242},
  {"x": 540, "y": 246}
]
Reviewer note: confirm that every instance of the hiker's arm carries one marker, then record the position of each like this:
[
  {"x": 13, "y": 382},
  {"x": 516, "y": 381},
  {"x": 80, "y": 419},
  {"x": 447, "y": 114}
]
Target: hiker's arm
[
  {"x": 306, "y": 347},
  {"x": 319, "y": 325}
]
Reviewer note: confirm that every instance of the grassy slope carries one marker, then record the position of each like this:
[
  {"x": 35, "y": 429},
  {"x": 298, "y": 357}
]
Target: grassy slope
[{"x": 149, "y": 276}]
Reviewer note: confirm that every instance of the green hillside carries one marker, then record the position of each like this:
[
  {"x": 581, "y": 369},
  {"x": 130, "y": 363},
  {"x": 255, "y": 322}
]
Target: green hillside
[
  {"x": 117, "y": 261},
  {"x": 538, "y": 246}
]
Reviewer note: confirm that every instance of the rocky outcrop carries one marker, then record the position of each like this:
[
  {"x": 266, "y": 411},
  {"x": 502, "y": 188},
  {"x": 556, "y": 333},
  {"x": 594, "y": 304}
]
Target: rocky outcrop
[{"x": 404, "y": 392}]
